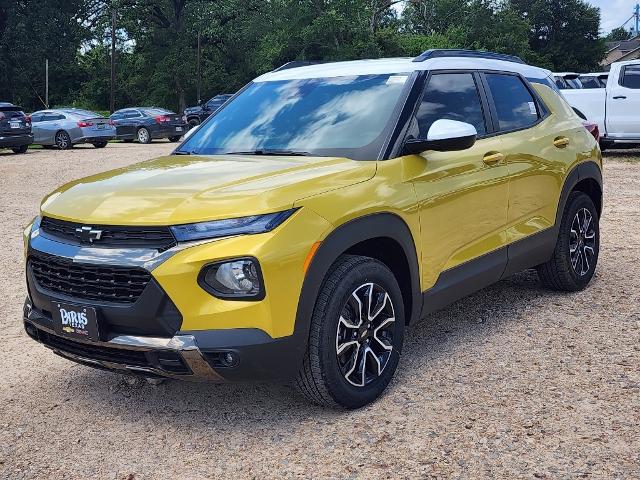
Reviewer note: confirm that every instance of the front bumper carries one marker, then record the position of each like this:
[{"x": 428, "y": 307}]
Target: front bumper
[{"x": 196, "y": 355}]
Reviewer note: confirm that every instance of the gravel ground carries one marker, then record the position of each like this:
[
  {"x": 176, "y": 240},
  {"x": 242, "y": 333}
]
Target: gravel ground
[{"x": 512, "y": 382}]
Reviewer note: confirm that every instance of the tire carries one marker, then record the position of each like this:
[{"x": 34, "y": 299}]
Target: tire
[
  {"x": 174, "y": 139},
  {"x": 21, "y": 149},
  {"x": 63, "y": 141},
  {"x": 100, "y": 144},
  {"x": 575, "y": 257},
  {"x": 144, "y": 136},
  {"x": 334, "y": 380},
  {"x": 193, "y": 122}
]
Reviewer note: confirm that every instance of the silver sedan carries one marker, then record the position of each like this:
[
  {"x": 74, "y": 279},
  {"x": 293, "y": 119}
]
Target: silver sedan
[{"x": 66, "y": 127}]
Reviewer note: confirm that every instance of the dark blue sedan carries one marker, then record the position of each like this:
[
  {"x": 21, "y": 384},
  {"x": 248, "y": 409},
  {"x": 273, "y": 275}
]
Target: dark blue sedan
[{"x": 147, "y": 123}]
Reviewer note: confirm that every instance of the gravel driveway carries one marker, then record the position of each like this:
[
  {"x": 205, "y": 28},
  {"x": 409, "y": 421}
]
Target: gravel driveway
[{"x": 512, "y": 382}]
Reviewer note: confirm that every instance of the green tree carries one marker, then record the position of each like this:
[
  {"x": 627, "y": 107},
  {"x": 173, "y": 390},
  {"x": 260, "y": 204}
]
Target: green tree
[
  {"x": 564, "y": 32},
  {"x": 617, "y": 34}
]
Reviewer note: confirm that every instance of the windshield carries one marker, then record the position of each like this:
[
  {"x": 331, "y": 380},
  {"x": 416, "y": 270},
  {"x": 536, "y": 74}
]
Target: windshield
[{"x": 338, "y": 116}]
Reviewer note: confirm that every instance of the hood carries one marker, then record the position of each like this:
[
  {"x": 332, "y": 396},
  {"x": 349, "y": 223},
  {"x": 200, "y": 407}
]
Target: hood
[{"x": 185, "y": 189}]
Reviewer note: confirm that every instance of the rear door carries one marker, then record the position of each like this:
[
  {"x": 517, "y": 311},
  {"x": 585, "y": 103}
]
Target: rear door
[
  {"x": 623, "y": 104},
  {"x": 45, "y": 128},
  {"x": 538, "y": 150}
]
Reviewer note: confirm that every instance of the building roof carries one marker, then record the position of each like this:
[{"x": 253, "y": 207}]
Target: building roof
[{"x": 399, "y": 66}]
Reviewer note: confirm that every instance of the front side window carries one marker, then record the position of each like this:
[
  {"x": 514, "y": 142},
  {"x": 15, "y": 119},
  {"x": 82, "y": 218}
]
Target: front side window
[
  {"x": 451, "y": 96},
  {"x": 631, "y": 77},
  {"x": 515, "y": 106},
  {"x": 336, "y": 116}
]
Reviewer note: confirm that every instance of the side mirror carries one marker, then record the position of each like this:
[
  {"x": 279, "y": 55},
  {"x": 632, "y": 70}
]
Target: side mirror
[{"x": 444, "y": 136}]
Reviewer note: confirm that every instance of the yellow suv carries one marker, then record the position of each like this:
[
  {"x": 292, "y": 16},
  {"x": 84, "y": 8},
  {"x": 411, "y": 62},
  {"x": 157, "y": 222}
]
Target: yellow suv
[{"x": 319, "y": 212}]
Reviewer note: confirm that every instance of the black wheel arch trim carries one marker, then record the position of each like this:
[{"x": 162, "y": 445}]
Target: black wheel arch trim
[{"x": 369, "y": 227}]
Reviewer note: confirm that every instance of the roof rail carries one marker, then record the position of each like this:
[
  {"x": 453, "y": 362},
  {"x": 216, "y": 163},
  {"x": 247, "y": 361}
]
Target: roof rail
[
  {"x": 459, "y": 52},
  {"x": 296, "y": 64}
]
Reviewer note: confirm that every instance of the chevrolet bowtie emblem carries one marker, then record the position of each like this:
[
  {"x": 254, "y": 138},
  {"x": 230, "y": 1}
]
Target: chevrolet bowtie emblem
[{"x": 88, "y": 234}]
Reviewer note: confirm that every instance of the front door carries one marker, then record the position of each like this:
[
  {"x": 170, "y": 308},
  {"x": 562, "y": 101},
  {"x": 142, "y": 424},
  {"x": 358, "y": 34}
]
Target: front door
[{"x": 463, "y": 195}]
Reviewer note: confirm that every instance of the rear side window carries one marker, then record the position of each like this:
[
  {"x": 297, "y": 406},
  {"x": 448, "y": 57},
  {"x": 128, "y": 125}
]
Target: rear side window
[
  {"x": 515, "y": 106},
  {"x": 451, "y": 96},
  {"x": 631, "y": 76}
]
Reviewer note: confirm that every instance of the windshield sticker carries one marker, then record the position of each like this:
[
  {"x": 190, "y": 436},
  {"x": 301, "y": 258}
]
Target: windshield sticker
[
  {"x": 397, "y": 79},
  {"x": 532, "y": 108}
]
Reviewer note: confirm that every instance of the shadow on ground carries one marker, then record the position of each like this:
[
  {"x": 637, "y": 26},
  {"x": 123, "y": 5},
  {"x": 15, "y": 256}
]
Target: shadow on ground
[{"x": 233, "y": 406}]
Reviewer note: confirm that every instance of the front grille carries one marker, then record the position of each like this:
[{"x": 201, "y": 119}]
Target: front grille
[
  {"x": 90, "y": 282},
  {"x": 169, "y": 361},
  {"x": 159, "y": 238}
]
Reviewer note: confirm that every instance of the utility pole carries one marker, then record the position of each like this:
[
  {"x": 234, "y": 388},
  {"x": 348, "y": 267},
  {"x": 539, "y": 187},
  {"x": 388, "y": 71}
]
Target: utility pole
[
  {"x": 199, "y": 72},
  {"x": 112, "y": 99},
  {"x": 46, "y": 83}
]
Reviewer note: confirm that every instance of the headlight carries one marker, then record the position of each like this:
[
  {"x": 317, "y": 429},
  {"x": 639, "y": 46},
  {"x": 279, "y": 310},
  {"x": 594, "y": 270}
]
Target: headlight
[
  {"x": 239, "y": 279},
  {"x": 232, "y": 226}
]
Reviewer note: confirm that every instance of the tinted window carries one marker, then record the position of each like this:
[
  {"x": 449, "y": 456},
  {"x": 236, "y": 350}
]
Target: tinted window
[
  {"x": 451, "y": 96},
  {"x": 49, "y": 117},
  {"x": 631, "y": 77},
  {"x": 515, "y": 105},
  {"x": 131, "y": 114},
  {"x": 590, "y": 82},
  {"x": 343, "y": 116},
  {"x": 116, "y": 116}
]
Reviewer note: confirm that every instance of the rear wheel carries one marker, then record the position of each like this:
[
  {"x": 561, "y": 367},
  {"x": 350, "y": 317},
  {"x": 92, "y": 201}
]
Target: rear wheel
[
  {"x": 576, "y": 254},
  {"x": 174, "y": 139},
  {"x": 356, "y": 335},
  {"x": 143, "y": 135},
  {"x": 100, "y": 144},
  {"x": 21, "y": 149},
  {"x": 193, "y": 122},
  {"x": 63, "y": 141}
]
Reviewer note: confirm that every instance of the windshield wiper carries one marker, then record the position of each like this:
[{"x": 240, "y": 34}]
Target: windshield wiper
[{"x": 271, "y": 151}]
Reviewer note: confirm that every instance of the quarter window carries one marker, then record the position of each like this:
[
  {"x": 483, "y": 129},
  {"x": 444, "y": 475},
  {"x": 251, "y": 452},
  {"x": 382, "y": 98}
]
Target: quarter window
[
  {"x": 631, "y": 77},
  {"x": 451, "y": 96},
  {"x": 515, "y": 106}
]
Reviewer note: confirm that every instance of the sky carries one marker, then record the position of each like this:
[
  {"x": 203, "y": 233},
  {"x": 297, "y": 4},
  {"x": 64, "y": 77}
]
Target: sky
[{"x": 614, "y": 13}]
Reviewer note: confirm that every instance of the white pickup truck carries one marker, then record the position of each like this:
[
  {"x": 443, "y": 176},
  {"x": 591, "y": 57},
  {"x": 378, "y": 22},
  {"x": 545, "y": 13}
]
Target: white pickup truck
[{"x": 615, "y": 108}]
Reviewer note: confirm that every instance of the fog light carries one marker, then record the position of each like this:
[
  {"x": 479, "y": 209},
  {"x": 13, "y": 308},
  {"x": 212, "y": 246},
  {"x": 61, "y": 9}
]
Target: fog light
[
  {"x": 239, "y": 279},
  {"x": 230, "y": 359}
]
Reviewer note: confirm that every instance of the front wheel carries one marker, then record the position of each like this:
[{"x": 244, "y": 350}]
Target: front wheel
[
  {"x": 144, "y": 136},
  {"x": 174, "y": 139},
  {"x": 356, "y": 335},
  {"x": 576, "y": 254},
  {"x": 20, "y": 149},
  {"x": 63, "y": 141},
  {"x": 100, "y": 144}
]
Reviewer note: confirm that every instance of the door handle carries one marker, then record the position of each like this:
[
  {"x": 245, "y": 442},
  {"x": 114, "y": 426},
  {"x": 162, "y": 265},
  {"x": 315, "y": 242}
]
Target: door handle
[
  {"x": 561, "y": 142},
  {"x": 619, "y": 97},
  {"x": 492, "y": 157}
]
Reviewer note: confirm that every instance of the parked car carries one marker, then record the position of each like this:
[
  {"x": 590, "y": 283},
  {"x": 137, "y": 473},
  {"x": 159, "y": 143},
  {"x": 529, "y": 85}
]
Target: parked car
[
  {"x": 194, "y": 116},
  {"x": 325, "y": 209},
  {"x": 593, "y": 80},
  {"x": 567, "y": 81},
  {"x": 615, "y": 108},
  {"x": 15, "y": 128},
  {"x": 65, "y": 127},
  {"x": 148, "y": 123}
]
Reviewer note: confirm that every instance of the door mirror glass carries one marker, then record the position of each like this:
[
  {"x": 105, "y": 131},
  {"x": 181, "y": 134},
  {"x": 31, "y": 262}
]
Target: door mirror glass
[{"x": 444, "y": 136}]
